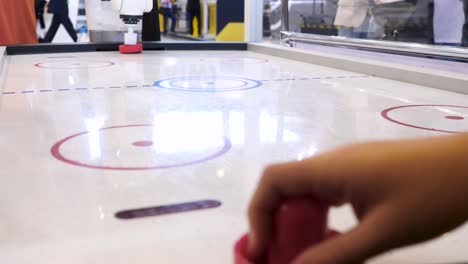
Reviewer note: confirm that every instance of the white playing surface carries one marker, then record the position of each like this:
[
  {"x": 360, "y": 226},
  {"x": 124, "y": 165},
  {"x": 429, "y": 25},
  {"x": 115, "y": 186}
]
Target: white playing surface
[{"x": 223, "y": 115}]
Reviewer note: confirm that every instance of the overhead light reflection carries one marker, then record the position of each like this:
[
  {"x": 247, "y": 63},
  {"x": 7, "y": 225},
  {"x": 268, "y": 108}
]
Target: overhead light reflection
[
  {"x": 237, "y": 127},
  {"x": 171, "y": 61},
  {"x": 268, "y": 127},
  {"x": 312, "y": 150},
  {"x": 289, "y": 136},
  {"x": 93, "y": 126},
  {"x": 101, "y": 213},
  {"x": 71, "y": 80},
  {"x": 300, "y": 156},
  {"x": 179, "y": 132}
]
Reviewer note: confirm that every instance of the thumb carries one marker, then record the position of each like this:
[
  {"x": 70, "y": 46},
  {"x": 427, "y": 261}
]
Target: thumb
[{"x": 362, "y": 242}]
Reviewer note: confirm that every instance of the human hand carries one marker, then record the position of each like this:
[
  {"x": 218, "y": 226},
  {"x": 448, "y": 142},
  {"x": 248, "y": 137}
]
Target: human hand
[{"x": 402, "y": 192}]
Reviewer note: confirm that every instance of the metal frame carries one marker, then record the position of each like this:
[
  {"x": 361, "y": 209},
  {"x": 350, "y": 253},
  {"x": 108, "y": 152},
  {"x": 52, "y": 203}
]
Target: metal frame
[
  {"x": 426, "y": 76},
  {"x": 288, "y": 38}
]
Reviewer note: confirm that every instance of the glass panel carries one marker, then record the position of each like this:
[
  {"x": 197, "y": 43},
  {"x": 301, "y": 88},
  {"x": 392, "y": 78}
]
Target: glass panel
[{"x": 439, "y": 22}]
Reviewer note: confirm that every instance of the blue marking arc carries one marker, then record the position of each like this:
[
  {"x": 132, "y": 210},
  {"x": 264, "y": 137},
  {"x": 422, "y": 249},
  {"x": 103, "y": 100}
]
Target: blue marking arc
[{"x": 171, "y": 84}]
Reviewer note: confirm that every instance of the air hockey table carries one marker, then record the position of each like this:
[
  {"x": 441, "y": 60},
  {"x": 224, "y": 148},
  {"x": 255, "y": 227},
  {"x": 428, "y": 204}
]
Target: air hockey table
[{"x": 152, "y": 157}]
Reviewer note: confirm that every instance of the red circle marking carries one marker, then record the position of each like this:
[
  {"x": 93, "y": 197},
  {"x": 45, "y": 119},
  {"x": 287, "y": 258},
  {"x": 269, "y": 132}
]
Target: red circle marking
[
  {"x": 55, "y": 151},
  {"x": 455, "y": 117},
  {"x": 386, "y": 112},
  {"x": 42, "y": 64},
  {"x": 143, "y": 143}
]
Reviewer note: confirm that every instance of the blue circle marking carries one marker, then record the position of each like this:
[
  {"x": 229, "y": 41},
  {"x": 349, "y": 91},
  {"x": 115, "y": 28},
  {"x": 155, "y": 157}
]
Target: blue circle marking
[{"x": 208, "y": 84}]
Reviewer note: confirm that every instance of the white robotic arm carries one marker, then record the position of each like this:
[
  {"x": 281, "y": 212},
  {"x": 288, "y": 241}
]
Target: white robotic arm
[
  {"x": 149, "y": 6},
  {"x": 117, "y": 4},
  {"x": 131, "y": 12}
]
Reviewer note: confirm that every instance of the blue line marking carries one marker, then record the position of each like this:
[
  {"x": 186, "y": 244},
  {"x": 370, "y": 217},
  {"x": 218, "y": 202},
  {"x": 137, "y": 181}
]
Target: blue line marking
[
  {"x": 9, "y": 93},
  {"x": 45, "y": 91},
  {"x": 27, "y": 91}
]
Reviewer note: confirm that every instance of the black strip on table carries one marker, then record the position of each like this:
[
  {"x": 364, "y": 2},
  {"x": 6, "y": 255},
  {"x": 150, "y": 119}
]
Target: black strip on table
[
  {"x": 92, "y": 47},
  {"x": 167, "y": 209}
]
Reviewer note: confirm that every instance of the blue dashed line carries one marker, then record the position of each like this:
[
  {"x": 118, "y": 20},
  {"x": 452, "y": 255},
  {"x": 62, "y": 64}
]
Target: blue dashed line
[{"x": 150, "y": 85}]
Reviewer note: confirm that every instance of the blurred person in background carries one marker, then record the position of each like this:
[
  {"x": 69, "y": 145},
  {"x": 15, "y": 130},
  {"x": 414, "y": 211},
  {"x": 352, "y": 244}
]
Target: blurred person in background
[
  {"x": 176, "y": 9},
  {"x": 39, "y": 6},
  {"x": 193, "y": 10},
  {"x": 60, "y": 10},
  {"x": 465, "y": 27},
  {"x": 150, "y": 30},
  {"x": 17, "y": 22},
  {"x": 449, "y": 19},
  {"x": 167, "y": 11},
  {"x": 352, "y": 18},
  {"x": 371, "y": 18},
  {"x": 389, "y": 17}
]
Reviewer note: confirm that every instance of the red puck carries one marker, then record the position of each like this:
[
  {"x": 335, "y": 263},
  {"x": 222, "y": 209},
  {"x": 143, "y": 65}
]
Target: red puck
[
  {"x": 299, "y": 224},
  {"x": 128, "y": 49},
  {"x": 240, "y": 251}
]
